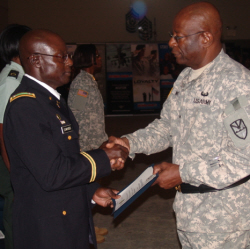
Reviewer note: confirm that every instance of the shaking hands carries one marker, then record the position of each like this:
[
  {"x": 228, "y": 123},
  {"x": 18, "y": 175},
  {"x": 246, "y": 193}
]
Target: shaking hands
[{"x": 117, "y": 150}]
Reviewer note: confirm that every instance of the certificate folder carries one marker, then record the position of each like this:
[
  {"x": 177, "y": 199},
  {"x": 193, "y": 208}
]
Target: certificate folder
[{"x": 134, "y": 190}]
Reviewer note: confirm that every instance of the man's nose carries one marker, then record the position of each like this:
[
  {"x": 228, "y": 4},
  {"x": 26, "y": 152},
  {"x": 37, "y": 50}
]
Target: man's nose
[{"x": 172, "y": 42}]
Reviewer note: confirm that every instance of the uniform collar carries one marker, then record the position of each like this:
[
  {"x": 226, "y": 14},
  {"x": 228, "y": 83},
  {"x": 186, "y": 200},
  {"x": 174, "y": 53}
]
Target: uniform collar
[{"x": 50, "y": 89}]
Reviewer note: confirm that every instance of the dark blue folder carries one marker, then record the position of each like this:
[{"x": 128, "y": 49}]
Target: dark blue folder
[{"x": 134, "y": 197}]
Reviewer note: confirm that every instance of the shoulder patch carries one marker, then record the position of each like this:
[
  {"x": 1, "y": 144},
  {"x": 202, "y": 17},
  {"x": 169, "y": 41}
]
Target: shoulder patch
[
  {"x": 237, "y": 122},
  {"x": 23, "y": 94},
  {"x": 82, "y": 93},
  {"x": 13, "y": 73}
]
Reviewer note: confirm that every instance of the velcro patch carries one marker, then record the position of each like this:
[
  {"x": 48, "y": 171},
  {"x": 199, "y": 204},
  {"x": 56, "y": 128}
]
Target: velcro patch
[
  {"x": 23, "y": 94},
  {"x": 13, "y": 73},
  {"x": 82, "y": 93}
]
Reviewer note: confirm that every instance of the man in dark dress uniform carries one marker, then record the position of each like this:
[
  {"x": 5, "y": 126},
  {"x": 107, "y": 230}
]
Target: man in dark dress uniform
[{"x": 53, "y": 180}]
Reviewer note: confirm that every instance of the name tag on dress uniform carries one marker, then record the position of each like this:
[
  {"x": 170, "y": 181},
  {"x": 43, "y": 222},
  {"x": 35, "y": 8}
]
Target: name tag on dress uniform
[{"x": 66, "y": 129}]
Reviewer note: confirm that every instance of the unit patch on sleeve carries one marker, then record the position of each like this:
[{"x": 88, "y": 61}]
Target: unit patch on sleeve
[
  {"x": 13, "y": 73},
  {"x": 80, "y": 99},
  {"x": 237, "y": 122},
  {"x": 239, "y": 128}
]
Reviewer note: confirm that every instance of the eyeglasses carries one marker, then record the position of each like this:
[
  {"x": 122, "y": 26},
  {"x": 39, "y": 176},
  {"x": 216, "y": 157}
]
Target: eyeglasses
[
  {"x": 63, "y": 57},
  {"x": 177, "y": 38}
]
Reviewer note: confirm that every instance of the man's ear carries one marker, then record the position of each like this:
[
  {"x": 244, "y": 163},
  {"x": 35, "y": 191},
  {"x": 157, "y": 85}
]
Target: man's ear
[
  {"x": 208, "y": 39},
  {"x": 35, "y": 60}
]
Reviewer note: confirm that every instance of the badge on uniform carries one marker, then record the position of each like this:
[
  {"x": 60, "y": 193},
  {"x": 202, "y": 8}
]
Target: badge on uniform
[
  {"x": 66, "y": 129},
  {"x": 13, "y": 73},
  {"x": 82, "y": 93},
  {"x": 22, "y": 94},
  {"x": 60, "y": 119},
  {"x": 237, "y": 122},
  {"x": 58, "y": 104},
  {"x": 204, "y": 94},
  {"x": 80, "y": 99},
  {"x": 239, "y": 128}
]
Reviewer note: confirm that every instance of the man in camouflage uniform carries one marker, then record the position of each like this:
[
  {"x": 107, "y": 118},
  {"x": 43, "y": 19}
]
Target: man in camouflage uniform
[
  {"x": 206, "y": 120},
  {"x": 85, "y": 99}
]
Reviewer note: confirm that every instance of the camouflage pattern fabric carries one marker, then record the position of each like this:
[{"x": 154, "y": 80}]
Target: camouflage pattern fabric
[
  {"x": 85, "y": 100},
  {"x": 196, "y": 120},
  {"x": 235, "y": 240}
]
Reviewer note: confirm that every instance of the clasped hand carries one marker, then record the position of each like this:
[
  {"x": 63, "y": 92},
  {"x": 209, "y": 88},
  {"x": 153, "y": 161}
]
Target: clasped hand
[{"x": 117, "y": 152}]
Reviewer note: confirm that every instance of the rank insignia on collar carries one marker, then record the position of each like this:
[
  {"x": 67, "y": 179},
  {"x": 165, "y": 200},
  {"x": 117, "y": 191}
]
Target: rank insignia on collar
[
  {"x": 239, "y": 128},
  {"x": 204, "y": 94},
  {"x": 58, "y": 116}
]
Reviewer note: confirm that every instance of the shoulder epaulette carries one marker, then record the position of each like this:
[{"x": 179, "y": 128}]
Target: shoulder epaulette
[
  {"x": 23, "y": 94},
  {"x": 13, "y": 73}
]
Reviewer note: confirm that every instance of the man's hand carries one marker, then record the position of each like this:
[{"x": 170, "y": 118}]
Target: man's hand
[
  {"x": 103, "y": 196},
  {"x": 116, "y": 140},
  {"x": 169, "y": 175},
  {"x": 117, "y": 155}
]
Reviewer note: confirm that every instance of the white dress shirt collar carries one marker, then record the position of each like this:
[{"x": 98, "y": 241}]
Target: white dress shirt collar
[{"x": 49, "y": 88}]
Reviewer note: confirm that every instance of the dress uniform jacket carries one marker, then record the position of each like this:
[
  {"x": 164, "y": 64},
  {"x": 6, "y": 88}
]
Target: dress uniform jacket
[
  {"x": 51, "y": 178},
  {"x": 206, "y": 121},
  {"x": 10, "y": 78}
]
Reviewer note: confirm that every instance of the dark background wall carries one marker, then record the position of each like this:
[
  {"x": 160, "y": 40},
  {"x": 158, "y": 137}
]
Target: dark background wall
[{"x": 104, "y": 20}]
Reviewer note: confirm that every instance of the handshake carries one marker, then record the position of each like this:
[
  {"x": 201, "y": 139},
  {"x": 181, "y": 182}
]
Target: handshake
[{"x": 117, "y": 150}]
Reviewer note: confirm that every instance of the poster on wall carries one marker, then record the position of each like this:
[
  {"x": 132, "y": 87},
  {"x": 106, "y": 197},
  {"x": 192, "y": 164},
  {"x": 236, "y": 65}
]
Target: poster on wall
[
  {"x": 167, "y": 70},
  {"x": 119, "y": 79},
  {"x": 146, "y": 78}
]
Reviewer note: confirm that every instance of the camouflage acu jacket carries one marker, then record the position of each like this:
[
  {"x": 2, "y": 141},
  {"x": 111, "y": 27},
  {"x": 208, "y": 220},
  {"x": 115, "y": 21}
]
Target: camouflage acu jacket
[
  {"x": 85, "y": 100},
  {"x": 207, "y": 123}
]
